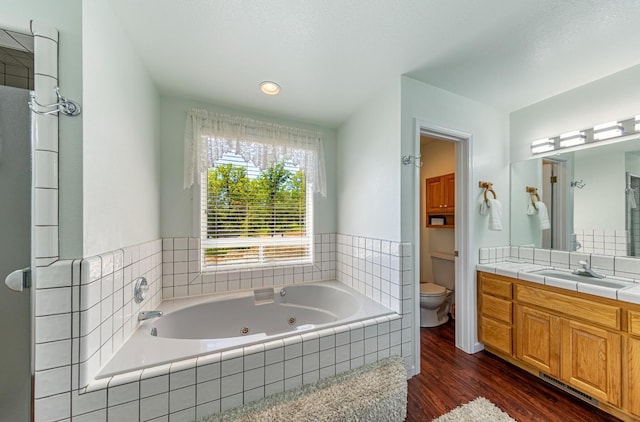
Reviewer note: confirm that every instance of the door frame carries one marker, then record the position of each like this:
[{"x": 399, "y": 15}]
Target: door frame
[{"x": 465, "y": 298}]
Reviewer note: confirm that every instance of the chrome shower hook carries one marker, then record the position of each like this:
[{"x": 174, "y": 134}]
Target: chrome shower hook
[
  {"x": 64, "y": 106},
  {"x": 407, "y": 159}
]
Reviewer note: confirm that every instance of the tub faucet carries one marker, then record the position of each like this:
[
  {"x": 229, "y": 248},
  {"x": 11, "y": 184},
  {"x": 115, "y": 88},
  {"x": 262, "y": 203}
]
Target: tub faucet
[
  {"x": 586, "y": 270},
  {"x": 148, "y": 315}
]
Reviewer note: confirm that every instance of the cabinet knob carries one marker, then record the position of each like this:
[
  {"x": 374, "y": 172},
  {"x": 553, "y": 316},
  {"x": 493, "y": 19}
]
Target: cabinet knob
[{"x": 445, "y": 206}]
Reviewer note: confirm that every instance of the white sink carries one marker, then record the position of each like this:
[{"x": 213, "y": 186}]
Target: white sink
[{"x": 609, "y": 282}]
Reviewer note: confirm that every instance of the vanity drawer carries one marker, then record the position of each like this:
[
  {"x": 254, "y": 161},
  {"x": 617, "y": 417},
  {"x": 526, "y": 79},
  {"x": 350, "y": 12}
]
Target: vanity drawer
[
  {"x": 496, "y": 335},
  {"x": 634, "y": 323},
  {"x": 497, "y": 308},
  {"x": 587, "y": 310},
  {"x": 496, "y": 285}
]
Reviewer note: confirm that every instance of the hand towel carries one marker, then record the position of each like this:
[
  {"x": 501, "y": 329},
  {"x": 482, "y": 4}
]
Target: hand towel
[
  {"x": 484, "y": 208},
  {"x": 495, "y": 214},
  {"x": 532, "y": 210},
  {"x": 631, "y": 199},
  {"x": 543, "y": 216}
]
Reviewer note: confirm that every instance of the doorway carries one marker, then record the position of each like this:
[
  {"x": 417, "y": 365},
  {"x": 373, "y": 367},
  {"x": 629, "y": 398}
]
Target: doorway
[
  {"x": 437, "y": 215},
  {"x": 465, "y": 298}
]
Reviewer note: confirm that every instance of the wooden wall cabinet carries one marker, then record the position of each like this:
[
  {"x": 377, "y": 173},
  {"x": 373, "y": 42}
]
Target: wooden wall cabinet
[
  {"x": 590, "y": 343},
  {"x": 440, "y": 199}
]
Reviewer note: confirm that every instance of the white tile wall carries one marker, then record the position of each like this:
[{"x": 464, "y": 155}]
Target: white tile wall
[
  {"x": 107, "y": 310},
  {"x": 181, "y": 275},
  {"x": 382, "y": 271},
  {"x": 84, "y": 312},
  {"x": 602, "y": 242}
]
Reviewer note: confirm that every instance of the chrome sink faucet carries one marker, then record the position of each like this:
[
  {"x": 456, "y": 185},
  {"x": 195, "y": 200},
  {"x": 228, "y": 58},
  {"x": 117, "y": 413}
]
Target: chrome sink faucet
[
  {"x": 586, "y": 270},
  {"x": 148, "y": 315}
]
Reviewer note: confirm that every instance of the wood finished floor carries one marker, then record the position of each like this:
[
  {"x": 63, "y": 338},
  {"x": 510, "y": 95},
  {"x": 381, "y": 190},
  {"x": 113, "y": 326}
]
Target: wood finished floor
[{"x": 449, "y": 377}]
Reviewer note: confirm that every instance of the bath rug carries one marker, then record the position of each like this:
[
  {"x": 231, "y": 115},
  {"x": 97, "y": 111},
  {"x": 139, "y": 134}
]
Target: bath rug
[
  {"x": 376, "y": 392},
  {"x": 478, "y": 410}
]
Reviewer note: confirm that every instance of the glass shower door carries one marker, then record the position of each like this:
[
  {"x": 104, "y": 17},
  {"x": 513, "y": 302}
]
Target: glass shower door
[{"x": 15, "y": 252}]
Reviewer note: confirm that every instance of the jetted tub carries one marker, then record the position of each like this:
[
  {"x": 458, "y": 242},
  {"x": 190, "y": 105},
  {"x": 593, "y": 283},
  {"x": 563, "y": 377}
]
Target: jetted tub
[{"x": 201, "y": 325}]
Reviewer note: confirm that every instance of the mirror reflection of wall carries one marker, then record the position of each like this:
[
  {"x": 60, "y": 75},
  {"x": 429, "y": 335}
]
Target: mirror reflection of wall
[{"x": 591, "y": 204}]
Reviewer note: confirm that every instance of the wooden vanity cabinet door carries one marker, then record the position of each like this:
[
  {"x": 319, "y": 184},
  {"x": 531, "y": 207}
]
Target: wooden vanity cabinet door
[
  {"x": 633, "y": 371},
  {"x": 591, "y": 360},
  {"x": 538, "y": 339}
]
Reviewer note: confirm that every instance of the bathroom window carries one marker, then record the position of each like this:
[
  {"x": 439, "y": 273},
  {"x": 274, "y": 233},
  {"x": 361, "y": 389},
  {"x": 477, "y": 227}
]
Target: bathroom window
[
  {"x": 252, "y": 217},
  {"x": 257, "y": 182}
]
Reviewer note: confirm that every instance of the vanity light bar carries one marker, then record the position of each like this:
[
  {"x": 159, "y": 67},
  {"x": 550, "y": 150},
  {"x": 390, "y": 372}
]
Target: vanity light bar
[
  {"x": 601, "y": 132},
  {"x": 607, "y": 130},
  {"x": 571, "y": 139},
  {"x": 543, "y": 145}
]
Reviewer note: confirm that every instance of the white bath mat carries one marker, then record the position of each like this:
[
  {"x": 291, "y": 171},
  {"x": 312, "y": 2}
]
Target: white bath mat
[{"x": 478, "y": 410}]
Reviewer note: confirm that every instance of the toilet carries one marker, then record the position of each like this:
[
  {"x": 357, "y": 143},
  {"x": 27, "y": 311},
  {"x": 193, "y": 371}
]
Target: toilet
[{"x": 435, "y": 298}]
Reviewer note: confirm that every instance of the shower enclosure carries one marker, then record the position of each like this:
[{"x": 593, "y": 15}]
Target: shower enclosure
[
  {"x": 15, "y": 252},
  {"x": 633, "y": 214}
]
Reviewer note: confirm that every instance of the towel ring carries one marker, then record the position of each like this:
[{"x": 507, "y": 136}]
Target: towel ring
[
  {"x": 537, "y": 199},
  {"x": 488, "y": 187},
  {"x": 492, "y": 191},
  {"x": 534, "y": 193}
]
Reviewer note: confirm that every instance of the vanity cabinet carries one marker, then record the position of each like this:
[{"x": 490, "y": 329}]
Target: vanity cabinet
[
  {"x": 589, "y": 343},
  {"x": 496, "y": 312},
  {"x": 440, "y": 199},
  {"x": 633, "y": 363}
]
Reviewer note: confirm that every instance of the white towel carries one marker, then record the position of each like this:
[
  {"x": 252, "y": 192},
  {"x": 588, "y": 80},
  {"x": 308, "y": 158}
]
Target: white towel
[
  {"x": 495, "y": 214},
  {"x": 543, "y": 215},
  {"x": 631, "y": 199}
]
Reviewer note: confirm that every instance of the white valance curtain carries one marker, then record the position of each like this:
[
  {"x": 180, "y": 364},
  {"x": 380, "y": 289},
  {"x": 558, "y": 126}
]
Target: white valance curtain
[{"x": 208, "y": 136}]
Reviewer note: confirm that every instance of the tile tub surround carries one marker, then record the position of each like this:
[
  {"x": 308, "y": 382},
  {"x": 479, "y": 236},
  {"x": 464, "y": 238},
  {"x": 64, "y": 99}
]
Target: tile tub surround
[
  {"x": 84, "y": 312},
  {"x": 382, "y": 271},
  {"x": 209, "y": 384},
  {"x": 181, "y": 274}
]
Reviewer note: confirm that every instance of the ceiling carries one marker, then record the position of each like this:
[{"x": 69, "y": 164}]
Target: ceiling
[{"x": 331, "y": 56}]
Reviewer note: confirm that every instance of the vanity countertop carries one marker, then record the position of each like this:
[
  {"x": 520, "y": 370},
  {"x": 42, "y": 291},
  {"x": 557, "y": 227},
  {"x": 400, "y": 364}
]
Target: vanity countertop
[{"x": 526, "y": 271}]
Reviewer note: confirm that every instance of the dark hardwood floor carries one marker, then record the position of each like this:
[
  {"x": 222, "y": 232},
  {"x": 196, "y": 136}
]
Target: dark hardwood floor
[{"x": 449, "y": 377}]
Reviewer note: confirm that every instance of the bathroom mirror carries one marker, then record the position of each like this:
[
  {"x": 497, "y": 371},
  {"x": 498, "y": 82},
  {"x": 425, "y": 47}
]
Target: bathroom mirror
[{"x": 592, "y": 195}]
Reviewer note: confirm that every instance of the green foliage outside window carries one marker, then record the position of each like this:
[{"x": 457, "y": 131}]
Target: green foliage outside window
[{"x": 273, "y": 204}]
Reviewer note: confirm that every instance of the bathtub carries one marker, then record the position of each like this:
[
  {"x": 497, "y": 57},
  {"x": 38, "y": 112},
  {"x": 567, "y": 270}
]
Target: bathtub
[{"x": 197, "y": 326}]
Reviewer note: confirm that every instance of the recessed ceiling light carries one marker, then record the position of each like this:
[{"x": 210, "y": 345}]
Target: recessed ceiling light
[{"x": 269, "y": 88}]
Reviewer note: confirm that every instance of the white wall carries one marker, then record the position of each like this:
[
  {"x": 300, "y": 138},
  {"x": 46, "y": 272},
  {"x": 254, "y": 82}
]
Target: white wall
[
  {"x": 66, "y": 17},
  {"x": 611, "y": 98},
  {"x": 489, "y": 161},
  {"x": 368, "y": 166},
  {"x": 176, "y": 203},
  {"x": 121, "y": 192},
  {"x": 438, "y": 158}
]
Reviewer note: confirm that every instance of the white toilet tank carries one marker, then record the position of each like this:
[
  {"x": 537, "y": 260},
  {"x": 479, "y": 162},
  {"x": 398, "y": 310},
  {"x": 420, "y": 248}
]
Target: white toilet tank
[{"x": 443, "y": 267}]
